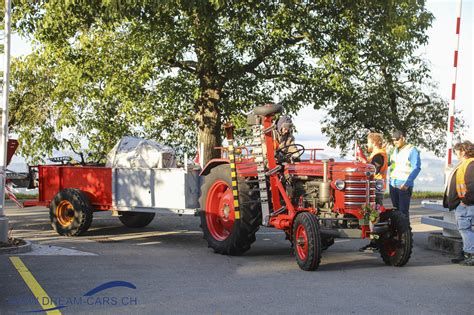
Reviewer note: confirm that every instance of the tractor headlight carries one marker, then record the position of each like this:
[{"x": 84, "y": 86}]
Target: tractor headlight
[
  {"x": 339, "y": 184},
  {"x": 379, "y": 184}
]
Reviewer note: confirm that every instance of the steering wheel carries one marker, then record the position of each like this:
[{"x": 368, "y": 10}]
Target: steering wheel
[{"x": 288, "y": 156}]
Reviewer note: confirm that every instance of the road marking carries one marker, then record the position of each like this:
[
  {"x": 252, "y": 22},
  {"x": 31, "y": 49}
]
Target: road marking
[
  {"x": 50, "y": 250},
  {"x": 34, "y": 286}
]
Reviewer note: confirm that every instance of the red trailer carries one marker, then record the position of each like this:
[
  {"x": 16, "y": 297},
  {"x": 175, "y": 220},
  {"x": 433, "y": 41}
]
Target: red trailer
[
  {"x": 94, "y": 182},
  {"x": 74, "y": 193}
]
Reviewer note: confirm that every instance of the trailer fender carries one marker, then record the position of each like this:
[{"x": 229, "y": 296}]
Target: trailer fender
[{"x": 211, "y": 164}]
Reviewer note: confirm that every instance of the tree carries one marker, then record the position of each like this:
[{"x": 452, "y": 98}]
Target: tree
[
  {"x": 63, "y": 96},
  {"x": 173, "y": 69},
  {"x": 387, "y": 85}
]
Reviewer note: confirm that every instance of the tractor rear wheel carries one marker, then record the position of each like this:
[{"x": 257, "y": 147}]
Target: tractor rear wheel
[
  {"x": 307, "y": 239},
  {"x": 396, "y": 245},
  {"x": 134, "y": 219},
  {"x": 224, "y": 231},
  {"x": 70, "y": 212}
]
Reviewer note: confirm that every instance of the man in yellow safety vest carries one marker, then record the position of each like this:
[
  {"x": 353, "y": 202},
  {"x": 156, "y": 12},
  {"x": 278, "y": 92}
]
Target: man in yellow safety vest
[
  {"x": 404, "y": 166},
  {"x": 459, "y": 196}
]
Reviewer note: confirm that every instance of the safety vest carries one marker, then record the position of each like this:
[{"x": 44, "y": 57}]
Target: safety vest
[
  {"x": 461, "y": 188},
  {"x": 400, "y": 167},
  {"x": 383, "y": 170}
]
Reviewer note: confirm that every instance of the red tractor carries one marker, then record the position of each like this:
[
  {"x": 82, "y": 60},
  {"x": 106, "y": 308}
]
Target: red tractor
[{"x": 312, "y": 201}]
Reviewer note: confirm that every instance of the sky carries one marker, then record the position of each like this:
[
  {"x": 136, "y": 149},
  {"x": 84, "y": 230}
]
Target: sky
[{"x": 439, "y": 52}]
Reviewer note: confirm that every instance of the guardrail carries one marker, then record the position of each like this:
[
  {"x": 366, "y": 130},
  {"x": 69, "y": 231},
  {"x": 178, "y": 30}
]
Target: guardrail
[{"x": 445, "y": 220}]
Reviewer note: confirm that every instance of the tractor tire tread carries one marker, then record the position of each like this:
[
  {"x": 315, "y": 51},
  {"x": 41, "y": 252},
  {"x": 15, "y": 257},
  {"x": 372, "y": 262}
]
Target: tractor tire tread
[
  {"x": 402, "y": 223},
  {"x": 311, "y": 225},
  {"x": 241, "y": 239}
]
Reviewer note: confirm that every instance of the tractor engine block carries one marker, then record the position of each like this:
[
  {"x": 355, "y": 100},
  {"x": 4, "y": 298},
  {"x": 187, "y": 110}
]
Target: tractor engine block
[{"x": 315, "y": 193}]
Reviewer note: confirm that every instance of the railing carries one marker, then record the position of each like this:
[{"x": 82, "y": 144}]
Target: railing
[
  {"x": 242, "y": 151},
  {"x": 312, "y": 153},
  {"x": 245, "y": 152},
  {"x": 445, "y": 219}
]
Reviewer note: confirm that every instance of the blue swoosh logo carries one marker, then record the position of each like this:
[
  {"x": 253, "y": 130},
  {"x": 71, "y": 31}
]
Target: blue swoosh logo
[
  {"x": 108, "y": 285},
  {"x": 46, "y": 310}
]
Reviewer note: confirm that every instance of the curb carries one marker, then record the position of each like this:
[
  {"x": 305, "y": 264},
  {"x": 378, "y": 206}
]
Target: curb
[
  {"x": 450, "y": 245},
  {"x": 17, "y": 249}
]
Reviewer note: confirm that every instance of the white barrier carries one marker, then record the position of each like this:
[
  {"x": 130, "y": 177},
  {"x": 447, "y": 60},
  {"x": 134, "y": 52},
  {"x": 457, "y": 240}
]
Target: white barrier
[{"x": 445, "y": 220}]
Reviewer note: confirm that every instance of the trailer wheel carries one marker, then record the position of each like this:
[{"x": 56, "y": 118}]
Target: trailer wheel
[
  {"x": 70, "y": 212},
  {"x": 223, "y": 231},
  {"x": 396, "y": 245},
  {"x": 136, "y": 219},
  {"x": 307, "y": 238}
]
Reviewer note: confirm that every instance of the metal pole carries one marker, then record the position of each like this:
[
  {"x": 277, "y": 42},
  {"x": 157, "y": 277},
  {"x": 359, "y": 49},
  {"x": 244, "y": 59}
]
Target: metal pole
[
  {"x": 452, "y": 102},
  {"x": 4, "y": 130},
  {"x": 201, "y": 155}
]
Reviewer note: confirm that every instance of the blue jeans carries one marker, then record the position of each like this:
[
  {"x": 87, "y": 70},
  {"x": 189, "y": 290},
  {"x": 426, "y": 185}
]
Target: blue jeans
[
  {"x": 401, "y": 199},
  {"x": 464, "y": 219}
]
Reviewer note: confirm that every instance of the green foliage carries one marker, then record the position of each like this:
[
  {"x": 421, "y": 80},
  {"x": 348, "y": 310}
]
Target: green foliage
[
  {"x": 423, "y": 195},
  {"x": 369, "y": 213},
  {"x": 21, "y": 196},
  {"x": 71, "y": 94},
  {"x": 387, "y": 85},
  {"x": 175, "y": 70}
]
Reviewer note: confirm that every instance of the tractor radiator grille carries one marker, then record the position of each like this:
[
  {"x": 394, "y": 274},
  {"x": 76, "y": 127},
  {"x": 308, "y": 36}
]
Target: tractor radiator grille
[{"x": 359, "y": 190}]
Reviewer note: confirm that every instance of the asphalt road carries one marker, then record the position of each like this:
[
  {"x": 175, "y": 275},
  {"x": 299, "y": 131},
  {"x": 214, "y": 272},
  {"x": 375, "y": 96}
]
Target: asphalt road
[{"x": 166, "y": 268}]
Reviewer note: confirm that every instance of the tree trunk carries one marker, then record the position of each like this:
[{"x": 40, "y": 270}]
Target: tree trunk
[
  {"x": 209, "y": 130},
  {"x": 208, "y": 115}
]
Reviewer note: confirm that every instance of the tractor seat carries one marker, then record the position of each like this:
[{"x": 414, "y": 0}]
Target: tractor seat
[{"x": 268, "y": 110}]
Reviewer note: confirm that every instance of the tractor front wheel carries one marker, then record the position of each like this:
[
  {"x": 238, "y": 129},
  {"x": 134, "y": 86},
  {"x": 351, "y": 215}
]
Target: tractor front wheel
[
  {"x": 134, "y": 219},
  {"x": 70, "y": 212},
  {"x": 396, "y": 245},
  {"x": 307, "y": 241}
]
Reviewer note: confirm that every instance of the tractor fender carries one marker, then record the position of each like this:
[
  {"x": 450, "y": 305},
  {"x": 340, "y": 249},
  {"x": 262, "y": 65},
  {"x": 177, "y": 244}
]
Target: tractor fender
[{"x": 211, "y": 164}]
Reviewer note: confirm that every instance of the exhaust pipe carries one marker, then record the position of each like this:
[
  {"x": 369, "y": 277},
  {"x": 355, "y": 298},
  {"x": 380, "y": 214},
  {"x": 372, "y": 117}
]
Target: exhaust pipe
[{"x": 325, "y": 186}]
